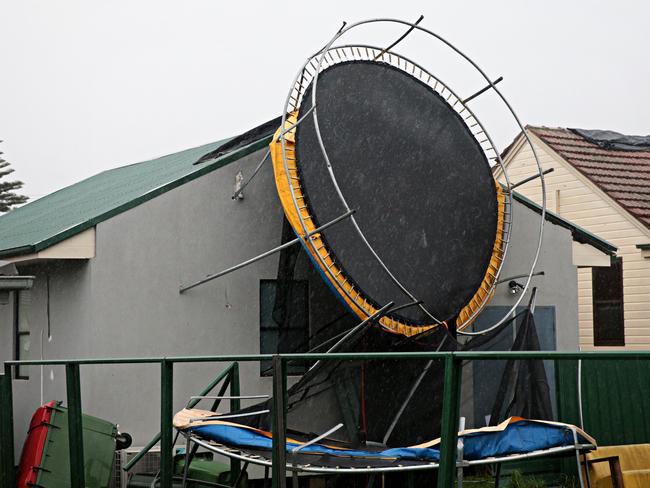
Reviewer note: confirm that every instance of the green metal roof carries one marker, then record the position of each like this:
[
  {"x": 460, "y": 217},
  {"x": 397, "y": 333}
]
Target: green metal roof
[{"x": 66, "y": 212}]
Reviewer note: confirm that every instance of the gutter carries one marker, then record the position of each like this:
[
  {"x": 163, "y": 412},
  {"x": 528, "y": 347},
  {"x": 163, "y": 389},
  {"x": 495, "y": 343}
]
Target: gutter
[{"x": 579, "y": 234}]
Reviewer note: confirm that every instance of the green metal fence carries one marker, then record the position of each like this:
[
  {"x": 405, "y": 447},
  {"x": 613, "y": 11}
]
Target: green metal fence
[{"x": 450, "y": 412}]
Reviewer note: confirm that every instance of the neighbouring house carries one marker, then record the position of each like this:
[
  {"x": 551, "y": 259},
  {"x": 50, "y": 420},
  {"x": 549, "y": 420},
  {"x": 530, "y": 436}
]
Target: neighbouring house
[
  {"x": 600, "y": 181},
  {"x": 109, "y": 254}
]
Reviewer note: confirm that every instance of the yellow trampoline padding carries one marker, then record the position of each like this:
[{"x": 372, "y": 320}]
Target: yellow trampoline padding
[
  {"x": 485, "y": 292},
  {"x": 292, "y": 199}
]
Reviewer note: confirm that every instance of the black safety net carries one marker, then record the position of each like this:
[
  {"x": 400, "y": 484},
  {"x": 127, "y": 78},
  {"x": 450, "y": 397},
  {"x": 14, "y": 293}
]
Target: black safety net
[{"x": 391, "y": 402}]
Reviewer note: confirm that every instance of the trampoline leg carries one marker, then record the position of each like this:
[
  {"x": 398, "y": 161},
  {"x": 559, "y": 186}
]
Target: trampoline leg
[
  {"x": 295, "y": 482},
  {"x": 241, "y": 474},
  {"x": 186, "y": 467},
  {"x": 577, "y": 451},
  {"x": 497, "y": 475},
  {"x": 584, "y": 460},
  {"x": 371, "y": 481},
  {"x": 410, "y": 479},
  {"x": 266, "y": 476}
]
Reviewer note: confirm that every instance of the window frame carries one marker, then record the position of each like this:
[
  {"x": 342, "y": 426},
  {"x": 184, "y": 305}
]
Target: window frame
[
  {"x": 18, "y": 334},
  {"x": 617, "y": 262}
]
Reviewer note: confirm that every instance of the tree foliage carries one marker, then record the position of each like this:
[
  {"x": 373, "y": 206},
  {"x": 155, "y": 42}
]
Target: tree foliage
[{"x": 8, "y": 196}]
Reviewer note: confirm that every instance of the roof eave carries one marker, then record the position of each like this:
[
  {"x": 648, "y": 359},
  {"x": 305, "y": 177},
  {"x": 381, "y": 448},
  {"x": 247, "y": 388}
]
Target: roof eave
[
  {"x": 201, "y": 171},
  {"x": 577, "y": 233}
]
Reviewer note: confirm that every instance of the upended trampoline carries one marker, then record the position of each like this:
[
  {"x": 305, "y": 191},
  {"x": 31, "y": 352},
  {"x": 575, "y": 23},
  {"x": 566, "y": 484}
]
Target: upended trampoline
[{"x": 385, "y": 177}]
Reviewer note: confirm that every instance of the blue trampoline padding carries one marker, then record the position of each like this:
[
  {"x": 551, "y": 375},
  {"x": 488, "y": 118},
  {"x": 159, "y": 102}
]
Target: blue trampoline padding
[
  {"x": 519, "y": 437},
  {"x": 240, "y": 437}
]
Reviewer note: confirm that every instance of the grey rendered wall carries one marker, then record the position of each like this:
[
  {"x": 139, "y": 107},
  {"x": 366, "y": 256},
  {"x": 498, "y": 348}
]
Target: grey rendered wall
[
  {"x": 125, "y": 301},
  {"x": 557, "y": 288},
  {"x": 559, "y": 285}
]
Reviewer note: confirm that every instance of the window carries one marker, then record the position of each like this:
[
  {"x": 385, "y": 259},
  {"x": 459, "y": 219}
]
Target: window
[
  {"x": 284, "y": 320},
  {"x": 21, "y": 331},
  {"x": 607, "y": 286}
]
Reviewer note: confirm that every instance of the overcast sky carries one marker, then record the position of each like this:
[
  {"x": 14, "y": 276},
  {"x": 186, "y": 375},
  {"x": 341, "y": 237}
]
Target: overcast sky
[{"x": 91, "y": 85}]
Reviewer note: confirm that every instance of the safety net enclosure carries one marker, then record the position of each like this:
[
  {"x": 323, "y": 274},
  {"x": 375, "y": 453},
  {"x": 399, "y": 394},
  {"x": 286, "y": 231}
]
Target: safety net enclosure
[
  {"x": 384, "y": 415},
  {"x": 385, "y": 177}
]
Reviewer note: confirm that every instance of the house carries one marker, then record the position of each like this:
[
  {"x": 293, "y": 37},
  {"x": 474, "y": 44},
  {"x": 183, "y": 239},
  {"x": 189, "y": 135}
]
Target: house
[
  {"x": 110, "y": 253},
  {"x": 600, "y": 181}
]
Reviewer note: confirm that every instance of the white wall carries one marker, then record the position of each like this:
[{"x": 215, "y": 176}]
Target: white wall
[{"x": 590, "y": 209}]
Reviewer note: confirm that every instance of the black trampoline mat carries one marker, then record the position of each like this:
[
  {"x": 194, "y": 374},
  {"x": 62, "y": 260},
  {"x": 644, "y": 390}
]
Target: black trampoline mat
[{"x": 419, "y": 180}]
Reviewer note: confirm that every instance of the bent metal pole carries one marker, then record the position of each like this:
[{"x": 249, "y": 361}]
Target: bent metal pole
[{"x": 267, "y": 253}]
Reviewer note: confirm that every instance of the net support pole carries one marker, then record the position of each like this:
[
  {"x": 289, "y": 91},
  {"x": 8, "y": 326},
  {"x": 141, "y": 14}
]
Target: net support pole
[
  {"x": 450, "y": 418},
  {"x": 7, "y": 472},
  {"x": 270, "y": 252},
  {"x": 279, "y": 440},
  {"x": 75, "y": 425}
]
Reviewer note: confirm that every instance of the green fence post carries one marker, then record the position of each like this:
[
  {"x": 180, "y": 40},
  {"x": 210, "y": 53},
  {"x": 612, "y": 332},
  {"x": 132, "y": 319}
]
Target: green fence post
[
  {"x": 7, "y": 468},
  {"x": 450, "y": 417},
  {"x": 166, "y": 428},
  {"x": 75, "y": 425},
  {"x": 206, "y": 391},
  {"x": 279, "y": 441},
  {"x": 235, "y": 404}
]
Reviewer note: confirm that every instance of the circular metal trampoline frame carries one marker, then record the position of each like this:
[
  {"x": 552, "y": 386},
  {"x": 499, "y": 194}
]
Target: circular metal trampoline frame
[
  {"x": 323, "y": 59},
  {"x": 237, "y": 453}
]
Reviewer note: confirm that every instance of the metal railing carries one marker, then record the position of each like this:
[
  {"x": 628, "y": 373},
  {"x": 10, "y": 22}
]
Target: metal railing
[{"x": 450, "y": 411}]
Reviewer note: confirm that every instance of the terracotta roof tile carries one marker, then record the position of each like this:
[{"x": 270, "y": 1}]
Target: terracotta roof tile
[{"x": 623, "y": 175}]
